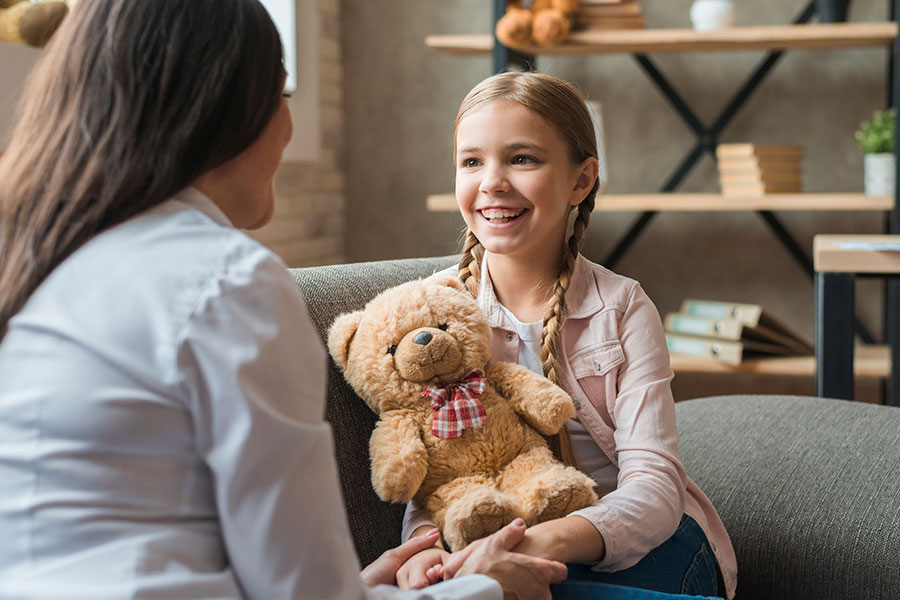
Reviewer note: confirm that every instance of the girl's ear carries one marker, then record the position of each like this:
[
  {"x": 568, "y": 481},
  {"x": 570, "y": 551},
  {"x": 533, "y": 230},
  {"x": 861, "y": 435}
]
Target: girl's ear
[
  {"x": 341, "y": 334},
  {"x": 587, "y": 176}
]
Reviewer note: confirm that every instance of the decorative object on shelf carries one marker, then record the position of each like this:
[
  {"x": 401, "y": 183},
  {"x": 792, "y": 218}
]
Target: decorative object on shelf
[
  {"x": 545, "y": 22},
  {"x": 876, "y": 138},
  {"x": 752, "y": 170},
  {"x": 596, "y": 111},
  {"x": 30, "y": 23},
  {"x": 709, "y": 15},
  {"x": 594, "y": 15},
  {"x": 832, "y": 11}
]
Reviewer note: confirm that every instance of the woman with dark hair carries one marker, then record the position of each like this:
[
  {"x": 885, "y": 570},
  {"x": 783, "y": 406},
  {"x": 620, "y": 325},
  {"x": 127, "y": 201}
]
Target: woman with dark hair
[{"x": 161, "y": 385}]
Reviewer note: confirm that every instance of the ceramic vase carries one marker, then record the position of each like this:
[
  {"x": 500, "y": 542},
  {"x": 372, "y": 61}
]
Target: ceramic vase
[
  {"x": 709, "y": 15},
  {"x": 879, "y": 174}
]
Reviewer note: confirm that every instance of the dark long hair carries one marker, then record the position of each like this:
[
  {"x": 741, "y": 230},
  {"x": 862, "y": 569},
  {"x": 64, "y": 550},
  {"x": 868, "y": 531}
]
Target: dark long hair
[{"x": 132, "y": 101}]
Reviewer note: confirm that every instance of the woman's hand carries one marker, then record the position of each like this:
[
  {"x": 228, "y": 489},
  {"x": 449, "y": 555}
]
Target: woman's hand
[
  {"x": 522, "y": 577},
  {"x": 422, "y": 570},
  {"x": 383, "y": 569}
]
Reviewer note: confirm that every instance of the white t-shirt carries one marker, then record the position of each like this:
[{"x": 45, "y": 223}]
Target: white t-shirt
[
  {"x": 161, "y": 427},
  {"x": 594, "y": 461}
]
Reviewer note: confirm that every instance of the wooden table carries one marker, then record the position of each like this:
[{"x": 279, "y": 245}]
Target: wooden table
[{"x": 839, "y": 260}]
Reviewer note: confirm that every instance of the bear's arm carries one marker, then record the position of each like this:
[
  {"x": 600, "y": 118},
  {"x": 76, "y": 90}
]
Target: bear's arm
[
  {"x": 399, "y": 458},
  {"x": 543, "y": 404}
]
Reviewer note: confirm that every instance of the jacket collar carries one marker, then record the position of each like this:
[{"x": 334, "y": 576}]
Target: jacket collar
[
  {"x": 582, "y": 298},
  {"x": 200, "y": 201}
]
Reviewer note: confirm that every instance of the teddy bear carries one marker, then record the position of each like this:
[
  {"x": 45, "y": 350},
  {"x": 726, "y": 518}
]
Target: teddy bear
[
  {"x": 457, "y": 433},
  {"x": 31, "y": 23},
  {"x": 546, "y": 22}
]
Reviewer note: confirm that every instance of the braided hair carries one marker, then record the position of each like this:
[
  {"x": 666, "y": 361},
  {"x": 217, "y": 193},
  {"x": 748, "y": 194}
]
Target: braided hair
[{"x": 560, "y": 104}]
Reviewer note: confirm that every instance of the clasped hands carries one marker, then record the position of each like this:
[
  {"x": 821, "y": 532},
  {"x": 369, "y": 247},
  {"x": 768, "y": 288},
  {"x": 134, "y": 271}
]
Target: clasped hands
[{"x": 522, "y": 577}]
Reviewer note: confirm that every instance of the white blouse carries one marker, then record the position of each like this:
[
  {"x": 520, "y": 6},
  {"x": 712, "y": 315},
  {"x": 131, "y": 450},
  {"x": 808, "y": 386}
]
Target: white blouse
[{"x": 161, "y": 427}]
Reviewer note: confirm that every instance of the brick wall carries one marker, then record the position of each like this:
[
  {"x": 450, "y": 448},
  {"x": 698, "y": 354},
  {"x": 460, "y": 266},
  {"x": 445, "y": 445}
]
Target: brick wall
[{"x": 308, "y": 226}]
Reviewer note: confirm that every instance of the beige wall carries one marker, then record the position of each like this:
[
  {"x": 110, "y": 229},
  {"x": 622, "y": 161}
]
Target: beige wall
[
  {"x": 308, "y": 225},
  {"x": 401, "y": 100}
]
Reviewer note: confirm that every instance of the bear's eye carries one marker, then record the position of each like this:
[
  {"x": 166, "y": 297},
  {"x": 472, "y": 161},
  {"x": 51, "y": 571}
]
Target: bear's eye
[
  {"x": 392, "y": 349},
  {"x": 443, "y": 327}
]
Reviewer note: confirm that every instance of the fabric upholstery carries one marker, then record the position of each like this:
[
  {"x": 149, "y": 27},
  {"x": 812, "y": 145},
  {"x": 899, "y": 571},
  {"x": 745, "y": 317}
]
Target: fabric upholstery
[
  {"x": 330, "y": 291},
  {"x": 808, "y": 488}
]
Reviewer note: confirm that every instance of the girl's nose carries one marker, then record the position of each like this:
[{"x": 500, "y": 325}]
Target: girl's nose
[{"x": 493, "y": 181}]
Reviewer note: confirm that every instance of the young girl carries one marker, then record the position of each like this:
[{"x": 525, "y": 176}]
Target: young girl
[{"x": 526, "y": 158}]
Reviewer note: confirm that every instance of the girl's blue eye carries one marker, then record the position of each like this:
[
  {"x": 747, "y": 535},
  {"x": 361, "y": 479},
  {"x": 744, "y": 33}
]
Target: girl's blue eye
[
  {"x": 470, "y": 162},
  {"x": 523, "y": 160}
]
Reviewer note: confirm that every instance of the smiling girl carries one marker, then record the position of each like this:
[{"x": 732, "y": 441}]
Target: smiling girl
[{"x": 526, "y": 160}]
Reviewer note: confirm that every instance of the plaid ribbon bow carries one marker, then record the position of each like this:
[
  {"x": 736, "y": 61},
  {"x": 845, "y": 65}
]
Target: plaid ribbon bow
[{"x": 456, "y": 407}]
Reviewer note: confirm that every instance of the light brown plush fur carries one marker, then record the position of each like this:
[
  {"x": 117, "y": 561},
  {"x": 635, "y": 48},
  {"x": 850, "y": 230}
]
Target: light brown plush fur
[
  {"x": 478, "y": 482},
  {"x": 546, "y": 22},
  {"x": 31, "y": 23}
]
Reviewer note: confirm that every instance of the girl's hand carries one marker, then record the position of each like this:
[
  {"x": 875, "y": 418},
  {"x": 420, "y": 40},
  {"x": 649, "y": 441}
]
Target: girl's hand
[
  {"x": 422, "y": 569},
  {"x": 383, "y": 570},
  {"x": 522, "y": 577}
]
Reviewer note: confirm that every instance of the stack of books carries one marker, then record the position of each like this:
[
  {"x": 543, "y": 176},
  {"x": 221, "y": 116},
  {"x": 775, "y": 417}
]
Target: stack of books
[
  {"x": 728, "y": 332},
  {"x": 609, "y": 14},
  {"x": 751, "y": 170}
]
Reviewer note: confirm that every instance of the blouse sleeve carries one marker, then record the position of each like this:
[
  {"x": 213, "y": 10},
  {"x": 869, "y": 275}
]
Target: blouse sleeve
[
  {"x": 645, "y": 508},
  {"x": 254, "y": 369}
]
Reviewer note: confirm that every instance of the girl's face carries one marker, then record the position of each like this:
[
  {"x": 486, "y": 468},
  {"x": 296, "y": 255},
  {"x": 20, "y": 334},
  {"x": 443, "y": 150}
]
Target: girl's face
[{"x": 515, "y": 180}]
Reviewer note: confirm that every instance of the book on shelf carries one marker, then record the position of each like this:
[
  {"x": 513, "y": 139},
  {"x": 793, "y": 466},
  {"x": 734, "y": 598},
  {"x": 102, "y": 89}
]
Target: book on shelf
[
  {"x": 759, "y": 188},
  {"x": 630, "y": 8},
  {"x": 769, "y": 152},
  {"x": 728, "y": 332},
  {"x": 738, "y": 179},
  {"x": 753, "y": 166},
  {"x": 594, "y": 23}
]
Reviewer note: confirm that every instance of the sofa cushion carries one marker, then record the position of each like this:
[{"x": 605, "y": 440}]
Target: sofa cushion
[
  {"x": 330, "y": 291},
  {"x": 808, "y": 488}
]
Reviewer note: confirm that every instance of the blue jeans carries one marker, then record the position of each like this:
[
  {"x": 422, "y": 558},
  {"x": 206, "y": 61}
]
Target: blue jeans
[{"x": 682, "y": 565}]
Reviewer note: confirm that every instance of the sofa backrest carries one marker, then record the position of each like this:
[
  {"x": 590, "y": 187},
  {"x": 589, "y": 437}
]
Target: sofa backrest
[{"x": 330, "y": 291}]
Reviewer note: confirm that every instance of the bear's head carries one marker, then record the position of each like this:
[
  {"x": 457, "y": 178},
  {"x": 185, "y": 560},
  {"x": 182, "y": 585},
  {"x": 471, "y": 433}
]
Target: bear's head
[{"x": 408, "y": 338}]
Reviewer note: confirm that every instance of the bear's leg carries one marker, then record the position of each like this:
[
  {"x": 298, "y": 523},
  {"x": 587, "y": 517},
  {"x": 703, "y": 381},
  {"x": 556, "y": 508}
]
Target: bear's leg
[
  {"x": 470, "y": 508},
  {"x": 544, "y": 487}
]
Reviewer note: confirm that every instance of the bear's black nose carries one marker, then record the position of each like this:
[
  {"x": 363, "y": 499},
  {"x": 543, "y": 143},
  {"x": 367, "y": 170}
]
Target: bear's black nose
[{"x": 423, "y": 338}]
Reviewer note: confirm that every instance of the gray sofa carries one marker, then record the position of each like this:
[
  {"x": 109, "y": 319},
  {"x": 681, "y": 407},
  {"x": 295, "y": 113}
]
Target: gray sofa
[{"x": 808, "y": 488}]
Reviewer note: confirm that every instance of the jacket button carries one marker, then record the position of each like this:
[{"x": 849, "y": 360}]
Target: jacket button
[
  {"x": 509, "y": 337},
  {"x": 596, "y": 365},
  {"x": 577, "y": 405}
]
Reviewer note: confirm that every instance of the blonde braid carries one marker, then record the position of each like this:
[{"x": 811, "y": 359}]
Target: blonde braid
[
  {"x": 470, "y": 263},
  {"x": 561, "y": 443}
]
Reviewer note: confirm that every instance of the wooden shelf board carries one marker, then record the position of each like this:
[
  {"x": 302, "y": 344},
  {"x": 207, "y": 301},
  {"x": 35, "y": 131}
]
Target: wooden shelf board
[
  {"x": 830, "y": 255},
  {"x": 870, "y": 361},
  {"x": 765, "y": 37},
  {"x": 715, "y": 202}
]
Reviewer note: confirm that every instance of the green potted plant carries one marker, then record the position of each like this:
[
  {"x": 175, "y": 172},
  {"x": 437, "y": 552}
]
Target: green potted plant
[{"x": 876, "y": 138}]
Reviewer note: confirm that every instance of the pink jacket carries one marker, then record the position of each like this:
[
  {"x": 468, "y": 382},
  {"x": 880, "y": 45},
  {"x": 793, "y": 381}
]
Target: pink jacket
[{"x": 614, "y": 362}]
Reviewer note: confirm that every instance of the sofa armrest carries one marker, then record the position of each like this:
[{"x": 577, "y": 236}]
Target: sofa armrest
[
  {"x": 330, "y": 291},
  {"x": 808, "y": 489}
]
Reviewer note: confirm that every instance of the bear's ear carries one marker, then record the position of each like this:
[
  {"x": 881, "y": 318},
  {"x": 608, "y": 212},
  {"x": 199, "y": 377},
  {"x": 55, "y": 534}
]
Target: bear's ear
[
  {"x": 340, "y": 334},
  {"x": 449, "y": 281}
]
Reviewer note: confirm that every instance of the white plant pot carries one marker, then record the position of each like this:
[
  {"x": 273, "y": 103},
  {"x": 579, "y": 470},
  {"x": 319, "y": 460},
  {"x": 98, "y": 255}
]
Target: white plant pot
[
  {"x": 709, "y": 15},
  {"x": 879, "y": 174}
]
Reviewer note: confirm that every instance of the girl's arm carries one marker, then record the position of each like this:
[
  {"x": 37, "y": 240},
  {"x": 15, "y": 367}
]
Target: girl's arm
[{"x": 645, "y": 508}]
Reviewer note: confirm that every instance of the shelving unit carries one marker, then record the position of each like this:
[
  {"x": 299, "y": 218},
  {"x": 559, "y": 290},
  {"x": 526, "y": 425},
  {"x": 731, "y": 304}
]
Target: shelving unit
[{"x": 776, "y": 39}]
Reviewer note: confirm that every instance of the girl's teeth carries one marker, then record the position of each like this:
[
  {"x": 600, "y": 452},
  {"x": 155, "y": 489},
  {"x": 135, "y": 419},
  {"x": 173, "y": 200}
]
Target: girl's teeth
[{"x": 497, "y": 215}]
